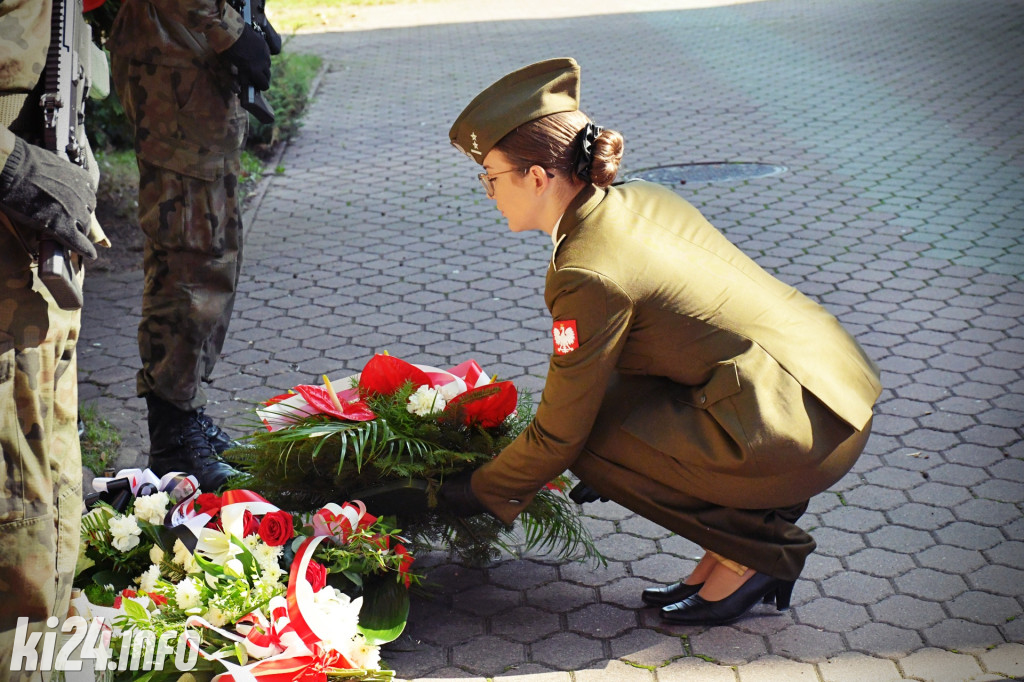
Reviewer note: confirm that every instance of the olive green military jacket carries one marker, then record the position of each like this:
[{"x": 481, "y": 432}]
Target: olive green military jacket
[{"x": 640, "y": 283}]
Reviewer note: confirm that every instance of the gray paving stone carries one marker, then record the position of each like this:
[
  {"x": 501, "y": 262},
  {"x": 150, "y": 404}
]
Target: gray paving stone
[
  {"x": 941, "y": 666},
  {"x": 899, "y": 211},
  {"x": 855, "y": 667},
  {"x": 567, "y": 651},
  {"x": 726, "y": 645},
  {"x": 647, "y": 648}
]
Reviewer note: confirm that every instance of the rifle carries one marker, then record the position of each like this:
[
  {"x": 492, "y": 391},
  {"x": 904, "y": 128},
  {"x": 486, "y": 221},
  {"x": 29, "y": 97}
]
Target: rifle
[
  {"x": 253, "y": 13},
  {"x": 66, "y": 84}
]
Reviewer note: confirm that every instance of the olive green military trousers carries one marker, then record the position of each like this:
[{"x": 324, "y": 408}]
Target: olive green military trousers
[
  {"x": 41, "y": 478},
  {"x": 625, "y": 469}
]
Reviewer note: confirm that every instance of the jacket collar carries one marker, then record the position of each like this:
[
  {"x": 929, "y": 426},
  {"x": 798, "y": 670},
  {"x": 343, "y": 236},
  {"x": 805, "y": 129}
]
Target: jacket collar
[{"x": 581, "y": 206}]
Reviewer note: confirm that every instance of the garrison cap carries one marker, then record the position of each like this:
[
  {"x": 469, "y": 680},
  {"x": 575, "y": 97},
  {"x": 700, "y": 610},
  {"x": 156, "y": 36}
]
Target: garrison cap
[{"x": 547, "y": 87}]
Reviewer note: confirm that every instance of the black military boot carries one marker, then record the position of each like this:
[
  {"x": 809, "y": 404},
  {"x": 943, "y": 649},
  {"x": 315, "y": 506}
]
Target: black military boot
[
  {"x": 218, "y": 439},
  {"x": 177, "y": 442}
]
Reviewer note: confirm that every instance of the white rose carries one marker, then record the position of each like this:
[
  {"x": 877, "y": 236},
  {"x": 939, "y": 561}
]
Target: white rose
[
  {"x": 187, "y": 594},
  {"x": 152, "y": 508},
  {"x": 156, "y": 555},
  {"x": 425, "y": 401},
  {"x": 125, "y": 532}
]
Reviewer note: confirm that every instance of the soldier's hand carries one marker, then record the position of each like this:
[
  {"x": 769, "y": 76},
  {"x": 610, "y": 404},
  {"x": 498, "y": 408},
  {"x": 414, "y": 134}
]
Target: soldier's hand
[
  {"x": 41, "y": 191},
  {"x": 251, "y": 56},
  {"x": 271, "y": 35},
  {"x": 456, "y": 496},
  {"x": 583, "y": 493}
]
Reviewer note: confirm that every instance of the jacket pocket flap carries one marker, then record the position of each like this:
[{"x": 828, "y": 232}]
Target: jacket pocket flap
[{"x": 723, "y": 383}]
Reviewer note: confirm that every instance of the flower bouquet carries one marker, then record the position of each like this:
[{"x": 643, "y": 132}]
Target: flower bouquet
[
  {"x": 390, "y": 436},
  {"x": 246, "y": 590}
]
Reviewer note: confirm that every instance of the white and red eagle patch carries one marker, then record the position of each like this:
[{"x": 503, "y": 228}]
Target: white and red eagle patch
[{"x": 565, "y": 337}]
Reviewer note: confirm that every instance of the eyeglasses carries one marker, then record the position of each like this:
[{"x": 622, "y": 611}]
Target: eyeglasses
[{"x": 488, "y": 180}]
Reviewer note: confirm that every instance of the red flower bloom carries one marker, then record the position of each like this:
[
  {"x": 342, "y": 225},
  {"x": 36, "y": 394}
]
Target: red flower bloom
[
  {"x": 403, "y": 568},
  {"x": 352, "y": 409},
  {"x": 208, "y": 503},
  {"x": 276, "y": 528},
  {"x": 385, "y": 374},
  {"x": 487, "y": 405},
  {"x": 124, "y": 593},
  {"x": 250, "y": 524},
  {"x": 316, "y": 575},
  {"x": 157, "y": 599}
]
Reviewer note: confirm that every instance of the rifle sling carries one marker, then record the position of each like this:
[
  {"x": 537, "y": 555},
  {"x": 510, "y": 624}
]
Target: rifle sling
[{"x": 11, "y": 104}]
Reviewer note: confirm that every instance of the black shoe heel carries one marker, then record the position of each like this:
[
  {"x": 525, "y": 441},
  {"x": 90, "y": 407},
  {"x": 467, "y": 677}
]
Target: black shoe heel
[
  {"x": 761, "y": 588},
  {"x": 783, "y": 593}
]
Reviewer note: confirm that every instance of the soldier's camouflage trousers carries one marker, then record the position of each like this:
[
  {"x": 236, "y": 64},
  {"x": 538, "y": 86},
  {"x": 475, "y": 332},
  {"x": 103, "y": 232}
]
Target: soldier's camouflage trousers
[
  {"x": 41, "y": 478},
  {"x": 193, "y": 256},
  {"x": 189, "y": 129}
]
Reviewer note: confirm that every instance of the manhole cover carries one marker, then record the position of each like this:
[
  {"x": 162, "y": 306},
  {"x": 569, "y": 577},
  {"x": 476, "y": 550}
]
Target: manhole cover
[{"x": 706, "y": 172}]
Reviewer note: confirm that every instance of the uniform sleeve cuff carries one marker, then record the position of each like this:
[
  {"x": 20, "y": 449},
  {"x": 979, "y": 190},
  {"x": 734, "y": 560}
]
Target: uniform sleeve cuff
[
  {"x": 12, "y": 155},
  {"x": 230, "y": 30}
]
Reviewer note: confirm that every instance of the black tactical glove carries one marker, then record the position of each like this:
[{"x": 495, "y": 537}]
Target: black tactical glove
[
  {"x": 251, "y": 56},
  {"x": 583, "y": 493},
  {"x": 43, "y": 192},
  {"x": 271, "y": 35},
  {"x": 456, "y": 496}
]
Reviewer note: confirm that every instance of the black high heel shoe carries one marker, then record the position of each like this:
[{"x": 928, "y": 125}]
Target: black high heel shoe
[
  {"x": 695, "y": 610},
  {"x": 669, "y": 594}
]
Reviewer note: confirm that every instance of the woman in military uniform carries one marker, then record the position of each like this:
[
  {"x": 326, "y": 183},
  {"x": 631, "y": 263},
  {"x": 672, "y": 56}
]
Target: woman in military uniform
[{"x": 685, "y": 383}]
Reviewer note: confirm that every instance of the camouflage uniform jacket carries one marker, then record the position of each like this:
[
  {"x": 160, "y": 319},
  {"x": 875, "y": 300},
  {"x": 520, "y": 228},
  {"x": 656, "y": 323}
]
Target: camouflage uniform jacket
[
  {"x": 174, "y": 86},
  {"x": 25, "y": 36}
]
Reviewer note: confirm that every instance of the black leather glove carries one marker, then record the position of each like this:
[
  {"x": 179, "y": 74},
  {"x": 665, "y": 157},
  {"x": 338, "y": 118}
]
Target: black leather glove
[
  {"x": 271, "y": 35},
  {"x": 43, "y": 192},
  {"x": 583, "y": 493},
  {"x": 251, "y": 56},
  {"x": 456, "y": 496}
]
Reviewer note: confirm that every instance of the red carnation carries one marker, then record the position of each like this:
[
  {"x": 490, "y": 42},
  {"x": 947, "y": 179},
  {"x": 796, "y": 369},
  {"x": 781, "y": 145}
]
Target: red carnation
[{"x": 276, "y": 528}]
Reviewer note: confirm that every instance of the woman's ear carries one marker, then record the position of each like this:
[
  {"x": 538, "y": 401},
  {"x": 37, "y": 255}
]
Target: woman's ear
[{"x": 539, "y": 177}]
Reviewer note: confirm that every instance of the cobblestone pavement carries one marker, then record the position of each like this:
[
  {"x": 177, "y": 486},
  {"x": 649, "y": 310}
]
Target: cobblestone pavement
[{"x": 901, "y": 127}]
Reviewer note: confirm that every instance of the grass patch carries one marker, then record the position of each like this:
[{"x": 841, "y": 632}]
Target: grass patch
[
  {"x": 315, "y": 15},
  {"x": 100, "y": 441},
  {"x": 288, "y": 96}
]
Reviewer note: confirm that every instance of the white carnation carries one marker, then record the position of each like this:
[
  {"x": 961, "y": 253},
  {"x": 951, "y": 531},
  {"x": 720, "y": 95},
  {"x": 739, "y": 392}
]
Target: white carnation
[
  {"x": 425, "y": 401},
  {"x": 184, "y": 558},
  {"x": 362, "y": 654},
  {"x": 216, "y": 617},
  {"x": 187, "y": 594},
  {"x": 125, "y": 532},
  {"x": 156, "y": 555},
  {"x": 266, "y": 556},
  {"x": 152, "y": 508},
  {"x": 147, "y": 581}
]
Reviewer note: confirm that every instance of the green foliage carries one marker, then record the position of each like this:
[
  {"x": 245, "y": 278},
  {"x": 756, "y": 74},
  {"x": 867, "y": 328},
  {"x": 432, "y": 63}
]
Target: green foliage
[
  {"x": 100, "y": 441},
  {"x": 293, "y": 75},
  {"x": 320, "y": 459}
]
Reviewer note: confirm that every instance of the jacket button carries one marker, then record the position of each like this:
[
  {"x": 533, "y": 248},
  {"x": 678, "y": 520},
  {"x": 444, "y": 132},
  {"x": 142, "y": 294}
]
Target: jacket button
[
  {"x": 514, "y": 501},
  {"x": 703, "y": 399}
]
